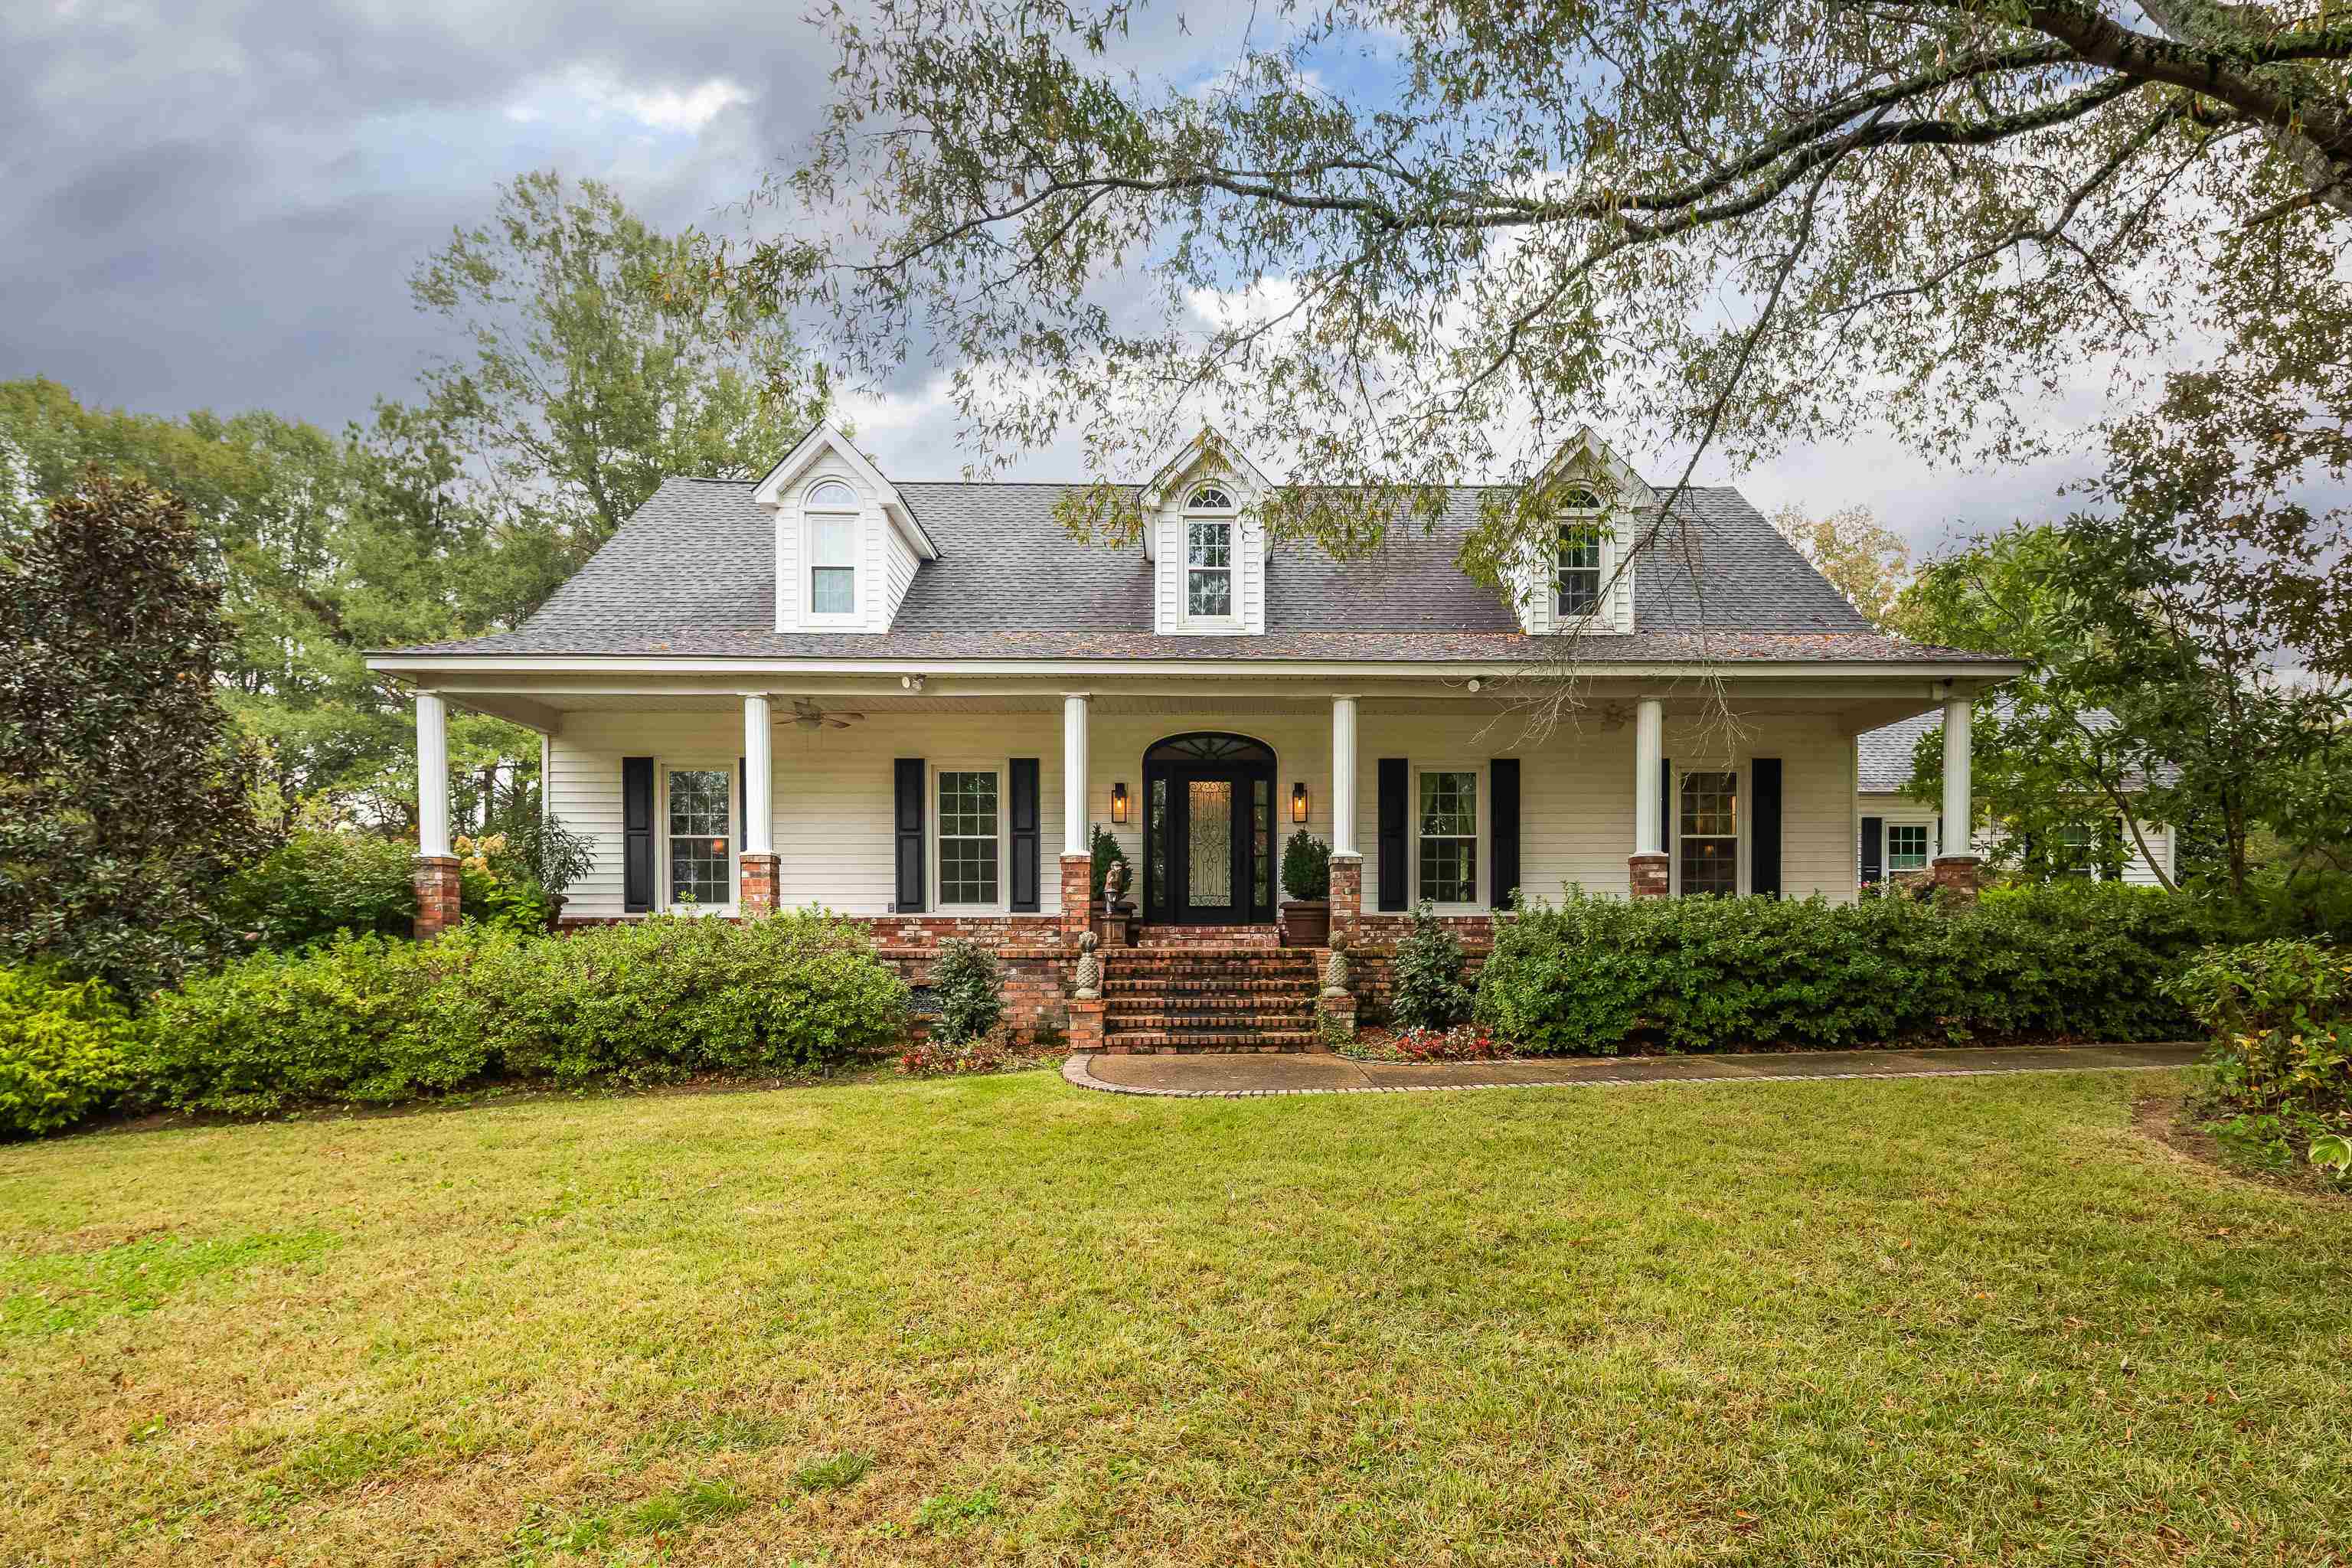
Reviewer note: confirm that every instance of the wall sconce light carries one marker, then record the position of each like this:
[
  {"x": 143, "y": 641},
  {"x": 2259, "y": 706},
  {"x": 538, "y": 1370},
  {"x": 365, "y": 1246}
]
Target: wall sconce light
[
  {"x": 1119, "y": 803},
  {"x": 1298, "y": 803}
]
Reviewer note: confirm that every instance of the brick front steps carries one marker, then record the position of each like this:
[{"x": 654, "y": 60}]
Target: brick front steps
[{"x": 1250, "y": 997}]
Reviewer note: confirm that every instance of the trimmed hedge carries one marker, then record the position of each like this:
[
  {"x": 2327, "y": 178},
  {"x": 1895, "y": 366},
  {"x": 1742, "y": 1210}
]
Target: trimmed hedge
[
  {"x": 370, "y": 1020},
  {"x": 316, "y": 884},
  {"x": 2083, "y": 961},
  {"x": 65, "y": 1048}
]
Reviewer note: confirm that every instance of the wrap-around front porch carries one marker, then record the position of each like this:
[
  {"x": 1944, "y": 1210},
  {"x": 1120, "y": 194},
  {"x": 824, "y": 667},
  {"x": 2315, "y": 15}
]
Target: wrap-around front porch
[{"x": 932, "y": 808}]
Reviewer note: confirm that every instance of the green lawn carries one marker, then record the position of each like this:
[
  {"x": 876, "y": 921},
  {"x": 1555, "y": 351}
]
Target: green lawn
[{"x": 1970, "y": 1321}]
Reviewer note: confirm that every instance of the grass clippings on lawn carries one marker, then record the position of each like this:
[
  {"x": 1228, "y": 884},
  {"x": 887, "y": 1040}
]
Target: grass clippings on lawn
[{"x": 1967, "y": 1320}]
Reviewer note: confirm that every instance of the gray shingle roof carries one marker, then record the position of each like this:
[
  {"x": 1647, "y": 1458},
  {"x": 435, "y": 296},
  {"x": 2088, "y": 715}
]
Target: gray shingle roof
[{"x": 693, "y": 572}]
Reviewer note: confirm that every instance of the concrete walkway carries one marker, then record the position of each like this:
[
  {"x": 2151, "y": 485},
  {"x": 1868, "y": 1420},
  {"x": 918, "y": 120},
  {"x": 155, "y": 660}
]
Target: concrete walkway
[{"x": 1234, "y": 1077}]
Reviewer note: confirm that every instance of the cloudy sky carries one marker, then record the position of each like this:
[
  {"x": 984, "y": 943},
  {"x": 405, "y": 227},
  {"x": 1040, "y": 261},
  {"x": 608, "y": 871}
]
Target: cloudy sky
[{"x": 209, "y": 205}]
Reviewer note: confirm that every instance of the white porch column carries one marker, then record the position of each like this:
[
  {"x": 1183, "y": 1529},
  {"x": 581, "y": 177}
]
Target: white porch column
[
  {"x": 1958, "y": 795},
  {"x": 1074, "y": 774},
  {"x": 432, "y": 775},
  {"x": 759, "y": 777},
  {"x": 1078, "y": 847},
  {"x": 1649, "y": 752},
  {"x": 1343, "y": 775},
  {"x": 1647, "y": 872}
]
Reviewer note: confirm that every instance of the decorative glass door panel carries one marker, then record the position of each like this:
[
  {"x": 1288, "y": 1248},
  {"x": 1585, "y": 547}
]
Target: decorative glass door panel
[{"x": 1209, "y": 866}]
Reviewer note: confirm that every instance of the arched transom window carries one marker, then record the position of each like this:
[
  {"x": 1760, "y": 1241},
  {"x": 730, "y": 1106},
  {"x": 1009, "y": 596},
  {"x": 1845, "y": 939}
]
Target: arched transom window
[
  {"x": 833, "y": 509},
  {"x": 1209, "y": 554}
]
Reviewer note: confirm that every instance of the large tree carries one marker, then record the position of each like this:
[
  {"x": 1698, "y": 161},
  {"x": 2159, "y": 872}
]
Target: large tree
[
  {"x": 1405, "y": 244},
  {"x": 126, "y": 795},
  {"x": 591, "y": 374}
]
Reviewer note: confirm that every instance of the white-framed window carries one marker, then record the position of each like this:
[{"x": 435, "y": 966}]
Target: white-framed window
[
  {"x": 967, "y": 803},
  {"x": 833, "y": 512},
  {"x": 1907, "y": 845},
  {"x": 698, "y": 835},
  {"x": 1448, "y": 823},
  {"x": 1209, "y": 527},
  {"x": 1706, "y": 832},
  {"x": 2075, "y": 851},
  {"x": 1577, "y": 562}
]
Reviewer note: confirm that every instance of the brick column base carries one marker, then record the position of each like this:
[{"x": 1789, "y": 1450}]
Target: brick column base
[
  {"x": 438, "y": 886},
  {"x": 1346, "y": 894},
  {"x": 1087, "y": 1024},
  {"x": 1955, "y": 877},
  {"x": 757, "y": 895},
  {"x": 1649, "y": 874},
  {"x": 1077, "y": 895},
  {"x": 1338, "y": 1015}
]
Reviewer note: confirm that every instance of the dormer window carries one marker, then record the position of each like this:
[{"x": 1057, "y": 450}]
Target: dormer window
[
  {"x": 832, "y": 509},
  {"x": 1576, "y": 575},
  {"x": 1209, "y": 554}
]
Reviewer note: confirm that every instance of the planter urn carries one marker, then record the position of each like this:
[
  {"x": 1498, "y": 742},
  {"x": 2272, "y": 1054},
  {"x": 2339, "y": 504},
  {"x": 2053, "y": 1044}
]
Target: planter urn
[{"x": 1307, "y": 922}]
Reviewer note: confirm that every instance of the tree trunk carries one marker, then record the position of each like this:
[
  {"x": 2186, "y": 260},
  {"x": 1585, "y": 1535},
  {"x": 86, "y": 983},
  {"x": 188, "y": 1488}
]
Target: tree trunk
[{"x": 2200, "y": 22}]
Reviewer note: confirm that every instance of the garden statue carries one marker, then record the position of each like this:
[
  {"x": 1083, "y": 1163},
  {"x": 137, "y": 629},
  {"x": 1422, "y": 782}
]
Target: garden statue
[
  {"x": 1089, "y": 986},
  {"x": 1334, "y": 968}
]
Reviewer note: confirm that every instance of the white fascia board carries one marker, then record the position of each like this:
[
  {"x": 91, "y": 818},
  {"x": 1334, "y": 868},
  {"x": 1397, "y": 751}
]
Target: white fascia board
[
  {"x": 828, "y": 437},
  {"x": 1180, "y": 463},
  {"x": 1977, "y": 674}
]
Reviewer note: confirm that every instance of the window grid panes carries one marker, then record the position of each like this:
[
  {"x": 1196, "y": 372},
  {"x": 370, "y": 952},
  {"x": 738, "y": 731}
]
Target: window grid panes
[
  {"x": 1449, "y": 838},
  {"x": 1209, "y": 561},
  {"x": 1262, "y": 844},
  {"x": 1906, "y": 847},
  {"x": 1710, "y": 834},
  {"x": 701, "y": 812},
  {"x": 2073, "y": 857},
  {"x": 968, "y": 837},
  {"x": 1580, "y": 570},
  {"x": 832, "y": 563}
]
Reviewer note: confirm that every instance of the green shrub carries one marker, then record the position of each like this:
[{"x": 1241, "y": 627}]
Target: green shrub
[
  {"x": 677, "y": 995},
  {"x": 1306, "y": 867},
  {"x": 2280, "y": 1015},
  {"x": 2082, "y": 959},
  {"x": 971, "y": 987},
  {"x": 65, "y": 1048},
  {"x": 1429, "y": 992},
  {"x": 316, "y": 884},
  {"x": 364, "y": 1018},
  {"x": 1106, "y": 854},
  {"x": 367, "y": 1019}
]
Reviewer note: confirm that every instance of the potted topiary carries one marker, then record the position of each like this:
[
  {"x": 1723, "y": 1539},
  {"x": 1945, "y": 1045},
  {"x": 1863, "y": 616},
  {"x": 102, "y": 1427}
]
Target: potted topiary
[{"x": 1306, "y": 877}]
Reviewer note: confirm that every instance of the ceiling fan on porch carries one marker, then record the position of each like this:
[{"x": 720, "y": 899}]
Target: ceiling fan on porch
[{"x": 808, "y": 715}]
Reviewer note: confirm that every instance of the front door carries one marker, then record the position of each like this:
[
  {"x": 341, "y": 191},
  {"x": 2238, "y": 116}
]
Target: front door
[{"x": 1209, "y": 823}]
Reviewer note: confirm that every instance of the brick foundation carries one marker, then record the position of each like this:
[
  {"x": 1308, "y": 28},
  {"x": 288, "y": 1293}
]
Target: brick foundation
[
  {"x": 1648, "y": 877},
  {"x": 1346, "y": 894},
  {"x": 1087, "y": 1025},
  {"x": 1957, "y": 876},
  {"x": 757, "y": 895},
  {"x": 1339, "y": 1015},
  {"x": 438, "y": 886},
  {"x": 1077, "y": 895}
]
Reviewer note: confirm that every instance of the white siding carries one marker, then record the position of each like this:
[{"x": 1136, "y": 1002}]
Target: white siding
[
  {"x": 1168, "y": 561},
  {"x": 833, "y": 790},
  {"x": 902, "y": 565},
  {"x": 878, "y": 591},
  {"x": 1896, "y": 809}
]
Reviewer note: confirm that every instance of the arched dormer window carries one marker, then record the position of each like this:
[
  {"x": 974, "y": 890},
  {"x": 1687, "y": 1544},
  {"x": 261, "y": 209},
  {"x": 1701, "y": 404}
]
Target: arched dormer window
[
  {"x": 1576, "y": 570},
  {"x": 1209, "y": 554},
  {"x": 832, "y": 509}
]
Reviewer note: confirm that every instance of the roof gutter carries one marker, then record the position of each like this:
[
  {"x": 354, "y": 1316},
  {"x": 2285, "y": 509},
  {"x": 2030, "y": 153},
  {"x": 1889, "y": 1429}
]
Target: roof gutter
[{"x": 1098, "y": 668}]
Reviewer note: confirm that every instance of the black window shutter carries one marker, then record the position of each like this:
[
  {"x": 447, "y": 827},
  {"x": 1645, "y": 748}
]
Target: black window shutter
[
  {"x": 1504, "y": 773},
  {"x": 1392, "y": 834},
  {"x": 1942, "y": 848},
  {"x": 1764, "y": 854},
  {"x": 1666, "y": 806},
  {"x": 1874, "y": 850},
  {"x": 637, "y": 835},
  {"x": 743, "y": 804},
  {"x": 1025, "y": 835},
  {"x": 909, "y": 772}
]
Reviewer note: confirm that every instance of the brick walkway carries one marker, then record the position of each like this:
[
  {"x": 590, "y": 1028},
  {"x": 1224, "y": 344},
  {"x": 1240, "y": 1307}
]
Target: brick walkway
[{"x": 1236, "y": 1077}]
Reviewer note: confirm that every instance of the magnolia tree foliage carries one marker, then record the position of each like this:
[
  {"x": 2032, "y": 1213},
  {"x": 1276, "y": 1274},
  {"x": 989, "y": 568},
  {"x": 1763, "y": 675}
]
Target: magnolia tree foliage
[
  {"x": 1402, "y": 244},
  {"x": 125, "y": 796},
  {"x": 2154, "y": 692}
]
